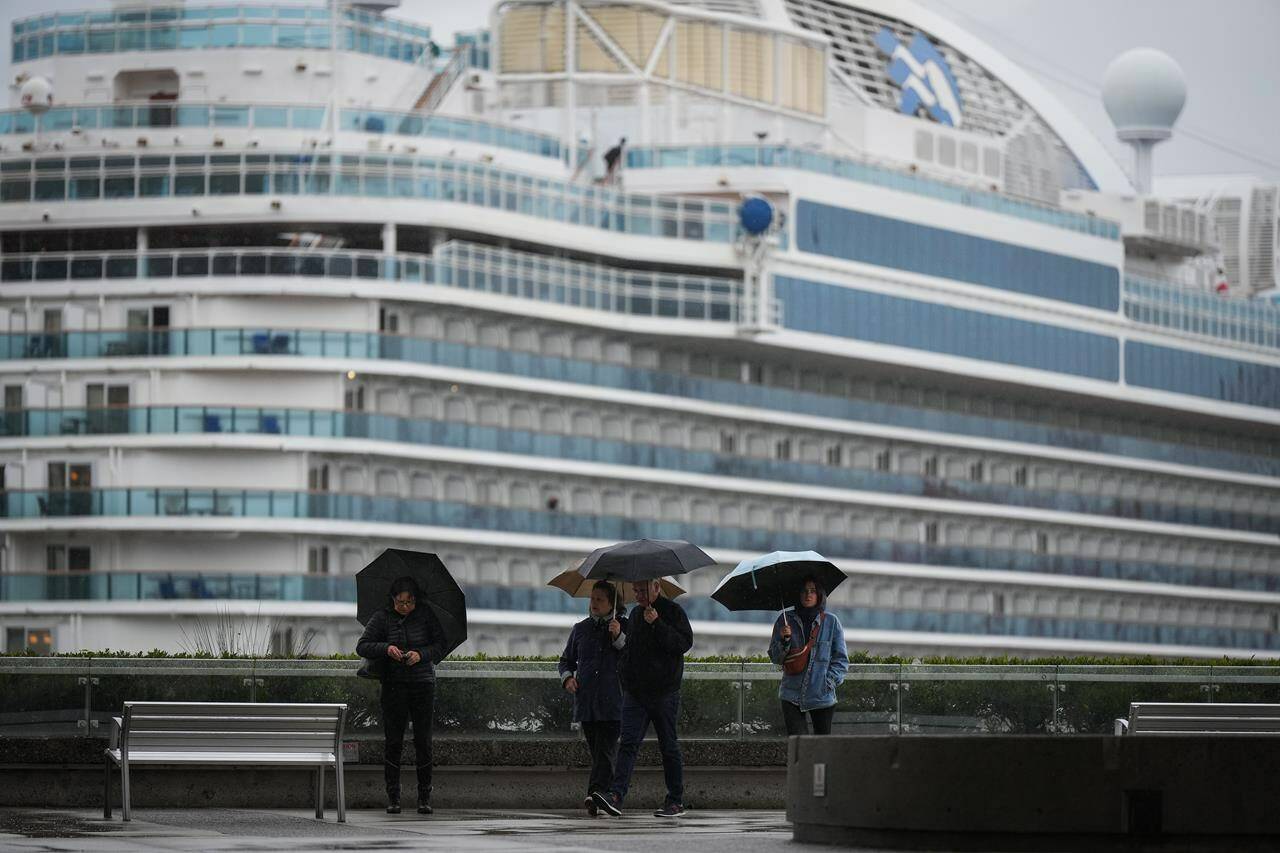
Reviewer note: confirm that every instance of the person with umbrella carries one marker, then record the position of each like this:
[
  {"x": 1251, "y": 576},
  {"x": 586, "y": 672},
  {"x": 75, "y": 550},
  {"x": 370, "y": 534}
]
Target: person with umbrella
[
  {"x": 657, "y": 635},
  {"x": 589, "y": 671},
  {"x": 808, "y": 642},
  {"x": 414, "y": 614}
]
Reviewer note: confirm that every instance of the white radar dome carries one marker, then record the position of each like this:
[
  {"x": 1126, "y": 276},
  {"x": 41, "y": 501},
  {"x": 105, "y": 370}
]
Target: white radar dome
[
  {"x": 36, "y": 95},
  {"x": 1144, "y": 91}
]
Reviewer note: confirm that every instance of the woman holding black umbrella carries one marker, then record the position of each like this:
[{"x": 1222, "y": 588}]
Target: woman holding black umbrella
[
  {"x": 406, "y": 639},
  {"x": 808, "y": 643}
]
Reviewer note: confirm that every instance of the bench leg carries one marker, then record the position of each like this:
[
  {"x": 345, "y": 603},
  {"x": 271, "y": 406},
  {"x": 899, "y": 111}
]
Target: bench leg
[
  {"x": 341, "y": 788},
  {"x": 320, "y": 792},
  {"x": 106, "y": 788},
  {"x": 125, "y": 809}
]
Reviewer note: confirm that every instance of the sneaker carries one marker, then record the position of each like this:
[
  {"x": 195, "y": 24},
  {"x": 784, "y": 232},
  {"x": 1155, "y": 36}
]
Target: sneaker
[
  {"x": 670, "y": 810},
  {"x": 424, "y": 808},
  {"x": 393, "y": 808},
  {"x": 592, "y": 808},
  {"x": 608, "y": 802}
]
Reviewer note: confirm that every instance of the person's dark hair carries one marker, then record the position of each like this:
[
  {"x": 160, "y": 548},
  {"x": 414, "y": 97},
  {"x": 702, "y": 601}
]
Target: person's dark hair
[
  {"x": 404, "y": 584},
  {"x": 822, "y": 593},
  {"x": 608, "y": 589}
]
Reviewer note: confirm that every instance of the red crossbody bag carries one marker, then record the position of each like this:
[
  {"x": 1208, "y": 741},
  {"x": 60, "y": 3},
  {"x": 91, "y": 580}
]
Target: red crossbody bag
[{"x": 797, "y": 660}]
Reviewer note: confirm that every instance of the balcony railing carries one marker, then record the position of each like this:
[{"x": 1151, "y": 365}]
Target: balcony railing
[
  {"x": 786, "y": 157},
  {"x": 455, "y": 265},
  {"x": 1255, "y": 457},
  {"x": 175, "y": 502},
  {"x": 266, "y": 116},
  {"x": 1182, "y": 308},
  {"x": 50, "y": 180},
  {"x": 188, "y": 585},
  {"x": 197, "y": 27},
  {"x": 187, "y": 420}
]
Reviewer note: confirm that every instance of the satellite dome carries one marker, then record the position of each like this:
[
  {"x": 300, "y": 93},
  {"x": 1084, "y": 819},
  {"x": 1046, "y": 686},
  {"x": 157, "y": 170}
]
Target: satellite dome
[
  {"x": 36, "y": 95},
  {"x": 1144, "y": 91}
]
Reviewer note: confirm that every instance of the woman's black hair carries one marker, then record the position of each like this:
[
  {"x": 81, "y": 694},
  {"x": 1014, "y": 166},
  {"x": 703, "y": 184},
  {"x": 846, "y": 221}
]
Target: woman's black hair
[
  {"x": 610, "y": 590},
  {"x": 822, "y": 593},
  {"x": 404, "y": 584}
]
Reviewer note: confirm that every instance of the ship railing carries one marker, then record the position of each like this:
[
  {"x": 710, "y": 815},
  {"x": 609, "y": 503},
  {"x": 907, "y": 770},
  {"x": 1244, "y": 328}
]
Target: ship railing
[
  {"x": 1183, "y": 308},
  {"x": 456, "y": 265},
  {"x": 583, "y": 446},
  {"x": 145, "y": 115},
  {"x": 863, "y": 171},
  {"x": 111, "y": 177}
]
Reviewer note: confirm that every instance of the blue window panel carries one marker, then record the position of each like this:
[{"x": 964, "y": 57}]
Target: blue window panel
[
  {"x": 1185, "y": 372},
  {"x": 864, "y": 237},
  {"x": 193, "y": 37},
  {"x": 828, "y": 309}
]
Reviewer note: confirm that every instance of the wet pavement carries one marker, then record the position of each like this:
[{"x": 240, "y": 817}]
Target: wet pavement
[{"x": 298, "y": 831}]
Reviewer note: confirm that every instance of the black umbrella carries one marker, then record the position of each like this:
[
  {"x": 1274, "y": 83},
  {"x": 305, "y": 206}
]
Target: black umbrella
[
  {"x": 772, "y": 582},
  {"x": 644, "y": 560},
  {"x": 440, "y": 592}
]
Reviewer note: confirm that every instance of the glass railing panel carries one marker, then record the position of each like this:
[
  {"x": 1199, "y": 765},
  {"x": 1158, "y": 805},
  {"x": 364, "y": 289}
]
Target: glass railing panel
[
  {"x": 1091, "y": 698},
  {"x": 121, "y": 680},
  {"x": 712, "y": 701},
  {"x": 43, "y": 698},
  {"x": 976, "y": 699},
  {"x": 1246, "y": 684},
  {"x": 496, "y": 699}
]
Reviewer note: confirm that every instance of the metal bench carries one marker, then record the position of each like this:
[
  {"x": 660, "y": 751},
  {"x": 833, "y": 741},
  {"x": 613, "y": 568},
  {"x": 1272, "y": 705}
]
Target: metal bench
[
  {"x": 1200, "y": 718},
  {"x": 228, "y": 733}
]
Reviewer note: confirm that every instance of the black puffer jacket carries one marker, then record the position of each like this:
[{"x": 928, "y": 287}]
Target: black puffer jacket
[
  {"x": 417, "y": 632},
  {"x": 653, "y": 657}
]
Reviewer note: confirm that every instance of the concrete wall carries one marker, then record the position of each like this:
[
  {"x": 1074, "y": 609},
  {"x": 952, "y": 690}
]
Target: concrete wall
[
  {"x": 886, "y": 788},
  {"x": 511, "y": 774}
]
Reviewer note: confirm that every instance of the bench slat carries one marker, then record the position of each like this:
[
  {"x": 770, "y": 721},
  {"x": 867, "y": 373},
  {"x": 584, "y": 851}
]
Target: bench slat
[
  {"x": 1210, "y": 718},
  {"x": 245, "y": 757}
]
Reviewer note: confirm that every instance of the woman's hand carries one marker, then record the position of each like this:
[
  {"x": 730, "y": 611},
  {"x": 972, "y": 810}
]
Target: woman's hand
[
  {"x": 412, "y": 658},
  {"x": 571, "y": 684},
  {"x": 615, "y": 628},
  {"x": 394, "y": 653},
  {"x": 786, "y": 630}
]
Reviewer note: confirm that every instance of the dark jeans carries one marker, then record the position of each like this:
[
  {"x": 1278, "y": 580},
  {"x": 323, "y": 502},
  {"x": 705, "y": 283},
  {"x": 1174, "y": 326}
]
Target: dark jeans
[
  {"x": 637, "y": 713},
  {"x": 401, "y": 703},
  {"x": 602, "y": 742},
  {"x": 796, "y": 723}
]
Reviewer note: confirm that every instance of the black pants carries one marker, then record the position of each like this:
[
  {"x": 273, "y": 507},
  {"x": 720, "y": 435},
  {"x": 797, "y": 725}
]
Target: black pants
[
  {"x": 796, "y": 723},
  {"x": 402, "y": 702},
  {"x": 602, "y": 743}
]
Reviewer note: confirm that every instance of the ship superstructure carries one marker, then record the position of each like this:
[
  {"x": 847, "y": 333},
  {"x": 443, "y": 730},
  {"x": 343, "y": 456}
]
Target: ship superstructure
[{"x": 288, "y": 284}]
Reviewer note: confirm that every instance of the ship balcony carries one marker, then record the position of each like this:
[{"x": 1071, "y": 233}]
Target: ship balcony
[
  {"x": 1150, "y": 226},
  {"x": 334, "y": 513}
]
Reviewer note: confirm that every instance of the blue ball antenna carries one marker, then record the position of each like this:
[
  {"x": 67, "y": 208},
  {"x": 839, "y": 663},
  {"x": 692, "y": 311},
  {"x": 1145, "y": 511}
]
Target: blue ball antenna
[{"x": 756, "y": 215}]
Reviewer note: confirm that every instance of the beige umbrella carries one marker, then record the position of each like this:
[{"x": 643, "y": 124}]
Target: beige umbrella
[{"x": 576, "y": 585}]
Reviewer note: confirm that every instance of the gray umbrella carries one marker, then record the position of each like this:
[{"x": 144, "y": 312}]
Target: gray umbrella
[{"x": 643, "y": 560}]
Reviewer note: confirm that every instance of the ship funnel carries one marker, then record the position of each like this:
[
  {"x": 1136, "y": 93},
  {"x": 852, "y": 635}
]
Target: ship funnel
[{"x": 1144, "y": 91}]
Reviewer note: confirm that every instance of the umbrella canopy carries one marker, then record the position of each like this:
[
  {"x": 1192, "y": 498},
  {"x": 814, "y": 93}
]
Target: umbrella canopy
[
  {"x": 578, "y": 586},
  {"x": 440, "y": 592},
  {"x": 772, "y": 582},
  {"x": 643, "y": 560}
]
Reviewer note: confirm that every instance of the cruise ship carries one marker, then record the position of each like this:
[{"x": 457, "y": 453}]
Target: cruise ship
[{"x": 287, "y": 283}]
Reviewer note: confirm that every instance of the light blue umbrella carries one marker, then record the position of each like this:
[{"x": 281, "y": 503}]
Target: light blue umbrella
[{"x": 772, "y": 581}]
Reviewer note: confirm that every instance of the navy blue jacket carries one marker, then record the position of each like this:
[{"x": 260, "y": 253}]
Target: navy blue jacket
[{"x": 591, "y": 657}]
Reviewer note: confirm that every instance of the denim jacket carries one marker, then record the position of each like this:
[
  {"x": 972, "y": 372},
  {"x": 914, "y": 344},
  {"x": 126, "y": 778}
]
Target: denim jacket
[{"x": 828, "y": 662}]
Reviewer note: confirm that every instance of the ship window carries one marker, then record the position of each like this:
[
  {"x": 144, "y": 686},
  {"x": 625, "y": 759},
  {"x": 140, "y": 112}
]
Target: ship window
[
  {"x": 946, "y": 151},
  {"x": 991, "y": 162},
  {"x": 969, "y": 157},
  {"x": 924, "y": 146}
]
